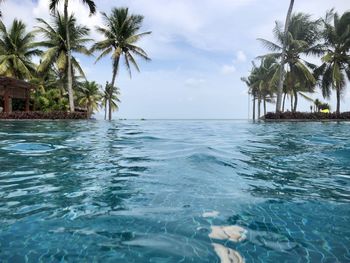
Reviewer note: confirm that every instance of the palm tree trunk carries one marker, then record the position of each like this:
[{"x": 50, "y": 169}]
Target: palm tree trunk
[
  {"x": 69, "y": 60},
  {"x": 106, "y": 111},
  {"x": 284, "y": 101},
  {"x": 338, "y": 101},
  {"x": 285, "y": 38},
  {"x": 264, "y": 106},
  {"x": 115, "y": 70},
  {"x": 254, "y": 108},
  {"x": 89, "y": 111},
  {"x": 295, "y": 100},
  {"x": 110, "y": 95},
  {"x": 291, "y": 102},
  {"x": 259, "y": 106}
]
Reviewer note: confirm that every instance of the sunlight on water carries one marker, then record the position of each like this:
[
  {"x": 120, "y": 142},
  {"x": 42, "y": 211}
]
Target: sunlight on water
[{"x": 174, "y": 191}]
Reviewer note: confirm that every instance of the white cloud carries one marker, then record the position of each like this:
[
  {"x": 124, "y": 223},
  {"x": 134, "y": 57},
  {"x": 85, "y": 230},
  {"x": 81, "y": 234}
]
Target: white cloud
[
  {"x": 195, "y": 82},
  {"x": 228, "y": 69},
  {"x": 241, "y": 57}
]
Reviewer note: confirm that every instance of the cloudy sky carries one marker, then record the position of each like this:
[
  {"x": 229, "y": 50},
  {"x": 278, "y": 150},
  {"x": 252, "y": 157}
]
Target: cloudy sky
[{"x": 199, "y": 51}]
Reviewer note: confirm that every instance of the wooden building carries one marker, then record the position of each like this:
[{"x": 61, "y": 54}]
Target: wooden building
[{"x": 11, "y": 88}]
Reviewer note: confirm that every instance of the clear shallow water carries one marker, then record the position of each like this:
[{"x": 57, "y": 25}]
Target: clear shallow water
[{"x": 136, "y": 191}]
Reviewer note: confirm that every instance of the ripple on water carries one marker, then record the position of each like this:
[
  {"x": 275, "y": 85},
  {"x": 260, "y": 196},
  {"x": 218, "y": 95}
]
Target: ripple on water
[{"x": 31, "y": 148}]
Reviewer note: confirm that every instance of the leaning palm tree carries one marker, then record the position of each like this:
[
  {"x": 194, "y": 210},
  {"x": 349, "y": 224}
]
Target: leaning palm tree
[
  {"x": 303, "y": 39},
  {"x": 54, "y": 36},
  {"x": 17, "y": 51},
  {"x": 53, "y": 8},
  {"x": 336, "y": 61},
  {"x": 89, "y": 96},
  {"x": 121, "y": 34}
]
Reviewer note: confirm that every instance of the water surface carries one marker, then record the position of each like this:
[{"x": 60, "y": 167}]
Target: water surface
[{"x": 150, "y": 191}]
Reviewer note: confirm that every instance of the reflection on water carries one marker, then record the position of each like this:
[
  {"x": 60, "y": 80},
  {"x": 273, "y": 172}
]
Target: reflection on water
[{"x": 174, "y": 191}]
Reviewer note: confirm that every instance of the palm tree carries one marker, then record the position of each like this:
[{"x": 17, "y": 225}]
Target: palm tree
[
  {"x": 283, "y": 55},
  {"x": 262, "y": 82},
  {"x": 251, "y": 90},
  {"x": 303, "y": 39},
  {"x": 121, "y": 33},
  {"x": 267, "y": 76},
  {"x": 53, "y": 8},
  {"x": 89, "y": 96},
  {"x": 336, "y": 62},
  {"x": 16, "y": 51},
  {"x": 110, "y": 98},
  {"x": 55, "y": 41}
]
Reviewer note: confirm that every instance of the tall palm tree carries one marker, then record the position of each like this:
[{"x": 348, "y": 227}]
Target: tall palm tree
[
  {"x": 265, "y": 79},
  {"x": 110, "y": 98},
  {"x": 16, "y": 51},
  {"x": 54, "y": 35},
  {"x": 89, "y": 96},
  {"x": 121, "y": 34},
  {"x": 53, "y": 7},
  {"x": 251, "y": 90},
  {"x": 303, "y": 39},
  {"x": 262, "y": 82},
  {"x": 284, "y": 47},
  {"x": 336, "y": 61}
]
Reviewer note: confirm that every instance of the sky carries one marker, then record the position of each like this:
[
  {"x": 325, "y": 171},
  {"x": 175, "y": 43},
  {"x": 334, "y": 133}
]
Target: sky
[{"x": 199, "y": 49}]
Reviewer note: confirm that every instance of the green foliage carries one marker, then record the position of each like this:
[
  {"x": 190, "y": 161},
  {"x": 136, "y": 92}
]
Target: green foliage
[
  {"x": 89, "y": 96},
  {"x": 121, "y": 34},
  {"x": 55, "y": 43},
  {"x": 91, "y": 5},
  {"x": 120, "y": 38},
  {"x": 51, "y": 100},
  {"x": 336, "y": 62},
  {"x": 17, "y": 51},
  {"x": 302, "y": 40},
  {"x": 328, "y": 37}
]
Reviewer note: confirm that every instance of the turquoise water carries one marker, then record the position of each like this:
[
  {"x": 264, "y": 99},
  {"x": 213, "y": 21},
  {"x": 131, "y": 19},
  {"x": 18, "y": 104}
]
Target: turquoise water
[{"x": 150, "y": 191}]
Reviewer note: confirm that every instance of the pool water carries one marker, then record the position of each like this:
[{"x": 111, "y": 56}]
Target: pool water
[{"x": 174, "y": 191}]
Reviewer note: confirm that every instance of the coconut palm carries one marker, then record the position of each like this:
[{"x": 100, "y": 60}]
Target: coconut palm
[
  {"x": 89, "y": 96},
  {"x": 54, "y": 35},
  {"x": 110, "y": 98},
  {"x": 252, "y": 91},
  {"x": 262, "y": 83},
  {"x": 121, "y": 34},
  {"x": 17, "y": 51},
  {"x": 283, "y": 55},
  {"x": 53, "y": 7},
  {"x": 336, "y": 61},
  {"x": 303, "y": 39}
]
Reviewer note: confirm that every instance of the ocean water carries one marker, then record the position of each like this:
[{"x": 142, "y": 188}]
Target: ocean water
[{"x": 161, "y": 191}]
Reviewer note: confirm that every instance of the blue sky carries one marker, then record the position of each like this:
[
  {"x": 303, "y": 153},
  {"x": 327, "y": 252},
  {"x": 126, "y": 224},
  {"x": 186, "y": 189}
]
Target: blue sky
[{"x": 199, "y": 51}]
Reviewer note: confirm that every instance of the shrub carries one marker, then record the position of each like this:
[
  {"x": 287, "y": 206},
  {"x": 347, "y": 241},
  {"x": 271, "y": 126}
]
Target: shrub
[
  {"x": 306, "y": 116},
  {"x": 53, "y": 115}
]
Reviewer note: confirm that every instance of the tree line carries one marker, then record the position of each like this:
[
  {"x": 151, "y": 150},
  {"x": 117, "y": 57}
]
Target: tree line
[
  {"x": 286, "y": 70},
  {"x": 60, "y": 80}
]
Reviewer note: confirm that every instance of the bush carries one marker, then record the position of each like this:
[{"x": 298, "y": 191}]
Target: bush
[
  {"x": 306, "y": 116},
  {"x": 39, "y": 115}
]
